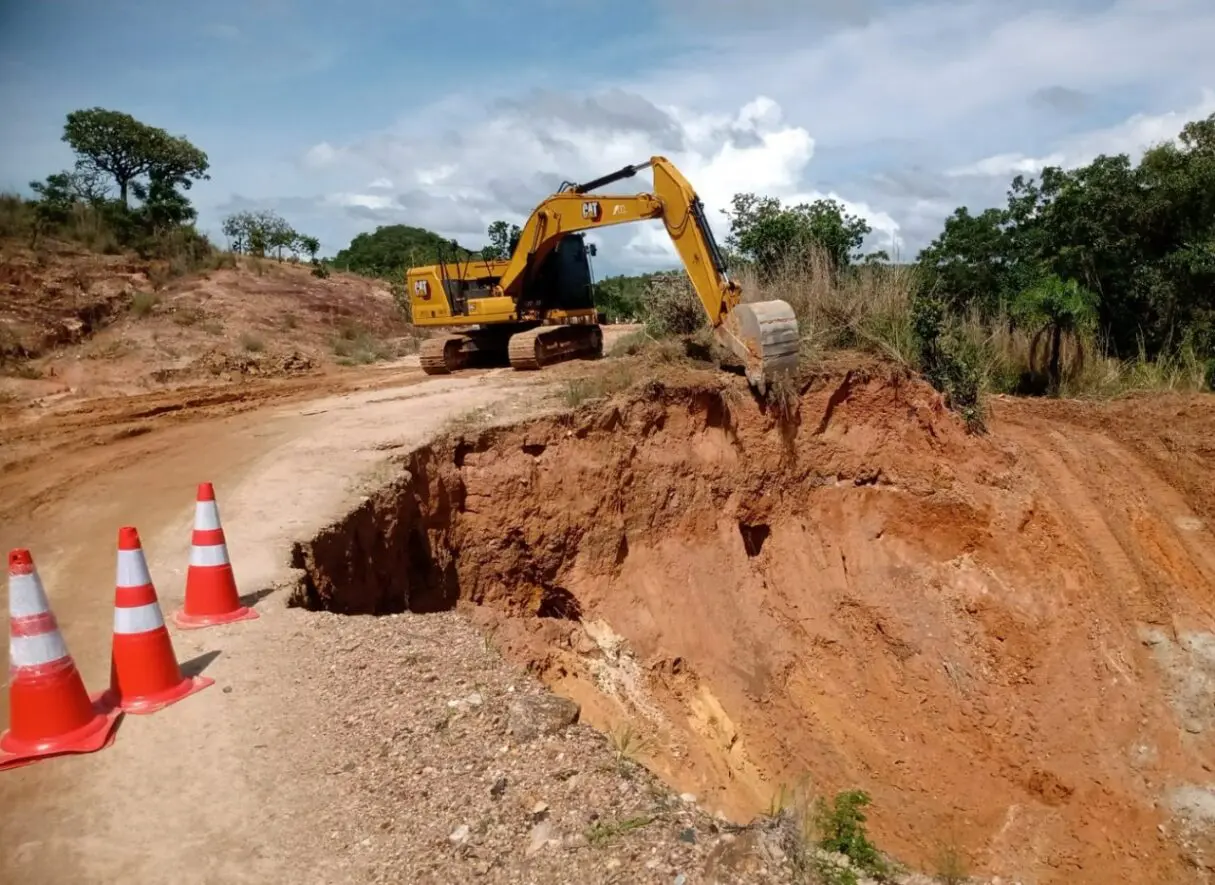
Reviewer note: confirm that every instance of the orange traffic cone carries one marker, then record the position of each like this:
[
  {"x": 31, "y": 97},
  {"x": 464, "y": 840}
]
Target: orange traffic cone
[
  {"x": 211, "y": 596},
  {"x": 144, "y": 673},
  {"x": 50, "y": 712}
]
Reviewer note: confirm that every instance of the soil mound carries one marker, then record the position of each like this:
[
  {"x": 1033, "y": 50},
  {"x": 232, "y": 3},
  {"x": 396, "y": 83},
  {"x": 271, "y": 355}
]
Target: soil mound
[
  {"x": 861, "y": 594},
  {"x": 76, "y": 324}
]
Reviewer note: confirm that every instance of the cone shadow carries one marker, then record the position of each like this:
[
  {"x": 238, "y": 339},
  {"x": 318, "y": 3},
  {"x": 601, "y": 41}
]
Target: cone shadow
[
  {"x": 197, "y": 664},
  {"x": 252, "y": 599}
]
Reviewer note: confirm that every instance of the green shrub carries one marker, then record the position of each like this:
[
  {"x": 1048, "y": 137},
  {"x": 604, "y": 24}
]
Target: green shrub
[
  {"x": 143, "y": 303},
  {"x": 841, "y": 827},
  {"x": 671, "y": 306},
  {"x": 946, "y": 362}
]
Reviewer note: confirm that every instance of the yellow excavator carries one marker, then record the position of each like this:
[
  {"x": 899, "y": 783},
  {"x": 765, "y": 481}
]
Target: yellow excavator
[{"x": 536, "y": 307}]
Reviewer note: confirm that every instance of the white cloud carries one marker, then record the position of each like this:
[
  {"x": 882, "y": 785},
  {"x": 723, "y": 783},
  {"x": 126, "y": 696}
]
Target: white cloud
[
  {"x": 364, "y": 201},
  {"x": 885, "y": 114},
  {"x": 753, "y": 149},
  {"x": 428, "y": 177},
  {"x": 321, "y": 155},
  {"x": 927, "y": 69},
  {"x": 1133, "y": 137}
]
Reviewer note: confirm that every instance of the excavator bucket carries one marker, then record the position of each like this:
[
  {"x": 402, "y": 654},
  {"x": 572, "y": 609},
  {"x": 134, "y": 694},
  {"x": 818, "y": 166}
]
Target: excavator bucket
[{"x": 764, "y": 335}]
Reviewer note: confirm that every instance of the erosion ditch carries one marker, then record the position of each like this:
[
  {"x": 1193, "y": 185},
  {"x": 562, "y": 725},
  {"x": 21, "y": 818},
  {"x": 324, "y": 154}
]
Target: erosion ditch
[{"x": 863, "y": 595}]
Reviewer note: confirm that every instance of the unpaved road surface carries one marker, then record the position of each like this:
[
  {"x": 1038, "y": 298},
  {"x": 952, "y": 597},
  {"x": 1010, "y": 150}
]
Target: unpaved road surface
[
  {"x": 1006, "y": 640},
  {"x": 212, "y": 790},
  {"x": 330, "y": 750}
]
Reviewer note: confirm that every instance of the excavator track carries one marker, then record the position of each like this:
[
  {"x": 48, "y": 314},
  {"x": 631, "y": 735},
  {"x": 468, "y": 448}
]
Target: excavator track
[
  {"x": 442, "y": 356},
  {"x": 542, "y": 345}
]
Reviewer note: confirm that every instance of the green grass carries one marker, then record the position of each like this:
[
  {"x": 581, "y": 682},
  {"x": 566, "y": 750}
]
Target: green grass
[
  {"x": 602, "y": 832},
  {"x": 628, "y": 745},
  {"x": 604, "y": 382},
  {"x": 252, "y": 343},
  {"x": 144, "y": 303},
  {"x": 354, "y": 345}
]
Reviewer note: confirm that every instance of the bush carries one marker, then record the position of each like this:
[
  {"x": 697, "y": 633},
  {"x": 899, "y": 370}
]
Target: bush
[
  {"x": 946, "y": 362},
  {"x": 841, "y": 826},
  {"x": 671, "y": 306},
  {"x": 867, "y": 307},
  {"x": 400, "y": 297},
  {"x": 143, "y": 303},
  {"x": 355, "y": 346},
  {"x": 16, "y": 216}
]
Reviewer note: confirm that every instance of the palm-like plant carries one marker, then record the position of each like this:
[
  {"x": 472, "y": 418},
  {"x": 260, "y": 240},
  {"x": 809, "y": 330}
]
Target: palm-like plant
[{"x": 1055, "y": 310}]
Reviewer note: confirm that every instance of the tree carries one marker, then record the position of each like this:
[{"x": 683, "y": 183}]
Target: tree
[
  {"x": 164, "y": 207},
  {"x": 1139, "y": 237},
  {"x": 391, "y": 249},
  {"x": 1055, "y": 310},
  {"x": 971, "y": 263},
  {"x": 115, "y": 143},
  {"x": 621, "y": 297},
  {"x": 56, "y": 197},
  {"x": 769, "y": 234},
  {"x": 278, "y": 233},
  {"x": 255, "y": 232},
  {"x": 310, "y": 245},
  {"x": 236, "y": 228},
  {"x": 503, "y": 238}
]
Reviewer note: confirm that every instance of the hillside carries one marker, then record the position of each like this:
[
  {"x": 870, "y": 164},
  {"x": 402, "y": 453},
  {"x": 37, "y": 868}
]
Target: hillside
[
  {"x": 391, "y": 248},
  {"x": 77, "y": 323}
]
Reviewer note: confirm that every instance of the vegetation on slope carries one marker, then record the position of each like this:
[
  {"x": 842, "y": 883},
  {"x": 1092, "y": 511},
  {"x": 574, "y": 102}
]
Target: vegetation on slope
[
  {"x": 1096, "y": 279},
  {"x": 1093, "y": 280},
  {"x": 127, "y": 191},
  {"x": 390, "y": 250}
]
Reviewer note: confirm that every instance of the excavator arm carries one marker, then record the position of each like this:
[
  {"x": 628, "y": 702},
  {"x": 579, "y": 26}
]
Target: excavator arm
[{"x": 763, "y": 335}]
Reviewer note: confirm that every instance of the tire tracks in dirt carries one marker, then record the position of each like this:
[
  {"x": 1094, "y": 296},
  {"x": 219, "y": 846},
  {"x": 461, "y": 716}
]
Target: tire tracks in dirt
[{"x": 216, "y": 789}]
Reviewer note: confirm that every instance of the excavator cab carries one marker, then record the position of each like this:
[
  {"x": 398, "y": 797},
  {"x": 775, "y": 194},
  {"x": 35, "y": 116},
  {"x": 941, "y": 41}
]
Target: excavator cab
[{"x": 563, "y": 280}]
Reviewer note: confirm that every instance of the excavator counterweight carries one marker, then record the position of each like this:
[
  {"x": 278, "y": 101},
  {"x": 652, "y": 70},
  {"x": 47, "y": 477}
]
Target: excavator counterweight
[{"x": 535, "y": 307}]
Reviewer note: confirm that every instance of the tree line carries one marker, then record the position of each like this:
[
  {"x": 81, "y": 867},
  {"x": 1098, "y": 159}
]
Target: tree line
[
  {"x": 263, "y": 231},
  {"x": 1113, "y": 256},
  {"x": 127, "y": 189}
]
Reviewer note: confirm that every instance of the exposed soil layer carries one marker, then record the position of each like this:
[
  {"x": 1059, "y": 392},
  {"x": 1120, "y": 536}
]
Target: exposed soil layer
[
  {"x": 75, "y": 325},
  {"x": 1006, "y": 640}
]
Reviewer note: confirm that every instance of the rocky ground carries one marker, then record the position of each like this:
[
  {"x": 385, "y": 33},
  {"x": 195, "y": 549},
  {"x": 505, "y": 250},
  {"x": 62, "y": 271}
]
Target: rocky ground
[{"x": 468, "y": 770}]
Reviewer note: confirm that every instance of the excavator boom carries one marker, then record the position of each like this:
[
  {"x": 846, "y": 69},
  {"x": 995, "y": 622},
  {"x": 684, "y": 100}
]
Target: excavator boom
[{"x": 763, "y": 335}]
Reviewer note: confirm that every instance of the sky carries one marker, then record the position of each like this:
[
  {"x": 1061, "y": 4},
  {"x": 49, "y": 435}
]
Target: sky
[{"x": 449, "y": 115}]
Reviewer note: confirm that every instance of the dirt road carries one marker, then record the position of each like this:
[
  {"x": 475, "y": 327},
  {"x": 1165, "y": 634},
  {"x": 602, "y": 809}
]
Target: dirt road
[
  {"x": 181, "y": 796},
  {"x": 1004, "y": 639},
  {"x": 1040, "y": 597}
]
